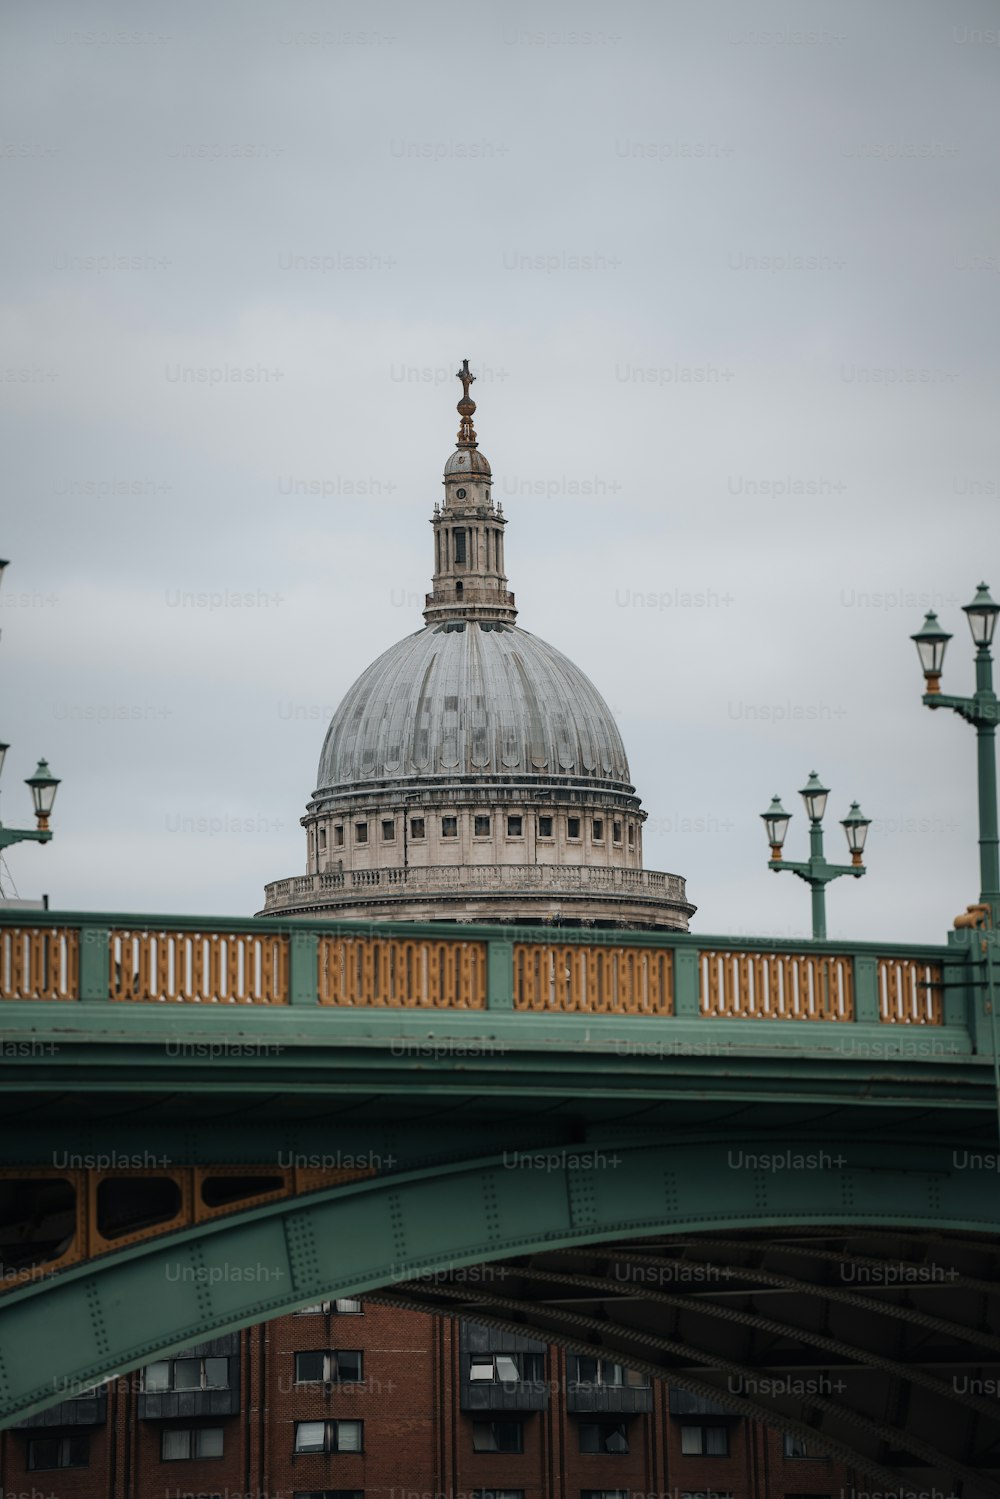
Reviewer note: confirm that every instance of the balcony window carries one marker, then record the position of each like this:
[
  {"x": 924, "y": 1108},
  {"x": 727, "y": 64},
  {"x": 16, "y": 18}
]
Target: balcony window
[
  {"x": 338, "y": 834},
  {"x": 482, "y": 827},
  {"x": 602, "y": 1371},
  {"x": 322, "y": 839},
  {"x": 631, "y": 835},
  {"x": 545, "y": 827},
  {"x": 417, "y": 829},
  {"x": 328, "y": 1436},
  {"x": 616, "y": 831},
  {"x": 346, "y": 1306},
  {"x": 328, "y": 1366},
  {"x": 603, "y": 1436},
  {"x": 497, "y": 1436},
  {"x": 58, "y": 1452},
  {"x": 598, "y": 829},
  {"x": 505, "y": 1368},
  {"x": 705, "y": 1441},
  {"x": 449, "y": 827},
  {"x": 388, "y": 830},
  {"x": 572, "y": 827},
  {"x": 515, "y": 827},
  {"x": 795, "y": 1446},
  {"x": 185, "y": 1374},
  {"x": 361, "y": 832},
  {"x": 179, "y": 1443}
]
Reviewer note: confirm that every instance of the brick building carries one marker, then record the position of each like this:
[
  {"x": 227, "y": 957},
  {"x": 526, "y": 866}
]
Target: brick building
[{"x": 352, "y": 1400}]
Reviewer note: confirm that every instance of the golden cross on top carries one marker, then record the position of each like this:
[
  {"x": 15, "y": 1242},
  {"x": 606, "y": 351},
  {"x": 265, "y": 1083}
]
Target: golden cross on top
[{"x": 466, "y": 377}]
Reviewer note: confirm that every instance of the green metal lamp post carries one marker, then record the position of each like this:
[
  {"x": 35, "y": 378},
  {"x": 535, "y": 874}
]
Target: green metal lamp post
[
  {"x": 817, "y": 873},
  {"x": 980, "y": 710},
  {"x": 43, "y": 786}
]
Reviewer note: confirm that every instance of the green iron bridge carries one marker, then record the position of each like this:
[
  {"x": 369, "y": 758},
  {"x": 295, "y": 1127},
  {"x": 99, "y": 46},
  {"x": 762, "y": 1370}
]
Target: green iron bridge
[{"x": 765, "y": 1171}]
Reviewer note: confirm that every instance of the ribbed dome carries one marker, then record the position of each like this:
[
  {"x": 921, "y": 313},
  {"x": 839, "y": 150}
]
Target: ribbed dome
[
  {"x": 473, "y": 701},
  {"x": 467, "y": 461}
]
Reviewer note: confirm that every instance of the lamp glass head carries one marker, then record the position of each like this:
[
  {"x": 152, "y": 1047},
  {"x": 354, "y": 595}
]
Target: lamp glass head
[
  {"x": 931, "y": 641},
  {"x": 776, "y": 821},
  {"x": 43, "y": 789},
  {"x": 855, "y": 826},
  {"x": 814, "y": 794},
  {"x": 982, "y": 616}
]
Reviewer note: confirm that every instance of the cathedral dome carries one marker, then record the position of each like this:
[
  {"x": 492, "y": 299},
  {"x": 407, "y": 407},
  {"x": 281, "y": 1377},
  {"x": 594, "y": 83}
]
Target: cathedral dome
[
  {"x": 473, "y": 772},
  {"x": 472, "y": 700}
]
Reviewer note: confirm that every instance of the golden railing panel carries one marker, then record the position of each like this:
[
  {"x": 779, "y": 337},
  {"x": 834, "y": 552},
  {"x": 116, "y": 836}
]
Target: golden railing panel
[
  {"x": 39, "y": 962},
  {"x": 593, "y": 980},
  {"x": 777, "y": 986},
  {"x": 402, "y": 973},
  {"x": 248, "y": 968},
  {"x": 909, "y": 992}
]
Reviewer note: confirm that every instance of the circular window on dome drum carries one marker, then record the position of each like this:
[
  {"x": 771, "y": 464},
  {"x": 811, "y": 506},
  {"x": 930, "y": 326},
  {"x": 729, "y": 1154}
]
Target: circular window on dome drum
[{"x": 460, "y": 493}]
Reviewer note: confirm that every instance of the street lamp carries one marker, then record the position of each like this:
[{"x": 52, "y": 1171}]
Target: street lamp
[
  {"x": 816, "y": 872},
  {"x": 980, "y": 710},
  {"x": 43, "y": 785}
]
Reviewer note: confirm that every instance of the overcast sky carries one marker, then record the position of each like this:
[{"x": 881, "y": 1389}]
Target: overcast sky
[{"x": 728, "y": 276}]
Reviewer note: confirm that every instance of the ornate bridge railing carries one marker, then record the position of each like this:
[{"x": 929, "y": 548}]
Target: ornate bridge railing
[{"x": 87, "y": 958}]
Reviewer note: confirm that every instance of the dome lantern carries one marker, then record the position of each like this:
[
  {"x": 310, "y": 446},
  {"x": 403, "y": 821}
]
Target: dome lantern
[{"x": 469, "y": 580}]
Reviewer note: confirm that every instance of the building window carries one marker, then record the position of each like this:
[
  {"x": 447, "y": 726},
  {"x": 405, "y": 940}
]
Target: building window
[
  {"x": 338, "y": 835},
  {"x": 322, "y": 838},
  {"x": 460, "y": 494},
  {"x": 176, "y": 1444},
  {"x": 58, "y": 1452},
  {"x": 416, "y": 827},
  {"x": 545, "y": 827},
  {"x": 704, "y": 1441},
  {"x": 328, "y": 1366},
  {"x": 388, "y": 830},
  {"x": 603, "y": 1436},
  {"x": 449, "y": 827},
  {"x": 497, "y": 1436},
  {"x": 346, "y": 1305},
  {"x": 483, "y": 826},
  {"x": 515, "y": 827},
  {"x": 186, "y": 1374},
  {"x": 616, "y": 831},
  {"x": 631, "y": 835},
  {"x": 795, "y": 1446},
  {"x": 328, "y": 1436},
  {"x": 598, "y": 829},
  {"x": 329, "y": 1494},
  {"x": 361, "y": 832},
  {"x": 601, "y": 1371},
  {"x": 459, "y": 546},
  {"x": 503, "y": 1368},
  {"x": 572, "y": 827}
]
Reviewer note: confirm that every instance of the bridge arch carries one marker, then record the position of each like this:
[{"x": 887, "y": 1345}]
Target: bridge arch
[{"x": 424, "y": 1237}]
